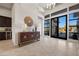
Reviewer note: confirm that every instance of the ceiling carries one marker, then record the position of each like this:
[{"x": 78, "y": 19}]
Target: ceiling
[
  {"x": 42, "y": 7},
  {"x": 44, "y": 4},
  {"x": 9, "y": 5},
  {"x": 6, "y": 5}
]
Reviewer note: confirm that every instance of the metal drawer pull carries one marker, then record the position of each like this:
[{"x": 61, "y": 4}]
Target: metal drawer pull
[
  {"x": 32, "y": 35},
  {"x": 25, "y": 36}
]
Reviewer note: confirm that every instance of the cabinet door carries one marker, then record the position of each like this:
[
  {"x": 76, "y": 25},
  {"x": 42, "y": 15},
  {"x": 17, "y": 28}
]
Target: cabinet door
[
  {"x": 2, "y": 36},
  {"x": 1, "y": 21},
  {"x": 23, "y": 37},
  {"x": 8, "y": 22},
  {"x": 9, "y": 35},
  {"x": 5, "y": 21}
]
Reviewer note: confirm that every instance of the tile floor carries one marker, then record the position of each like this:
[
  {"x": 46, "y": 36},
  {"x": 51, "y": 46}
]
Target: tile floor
[{"x": 44, "y": 47}]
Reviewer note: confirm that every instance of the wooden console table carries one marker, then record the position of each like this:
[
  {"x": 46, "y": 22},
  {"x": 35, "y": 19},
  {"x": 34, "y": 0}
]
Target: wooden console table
[{"x": 25, "y": 37}]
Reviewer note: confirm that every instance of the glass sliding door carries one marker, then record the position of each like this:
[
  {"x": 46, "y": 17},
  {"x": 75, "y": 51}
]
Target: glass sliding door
[
  {"x": 74, "y": 25},
  {"x": 62, "y": 27},
  {"x": 54, "y": 31}
]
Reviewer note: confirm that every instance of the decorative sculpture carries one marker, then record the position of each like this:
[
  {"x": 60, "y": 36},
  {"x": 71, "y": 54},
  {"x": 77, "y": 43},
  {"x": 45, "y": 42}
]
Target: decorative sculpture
[
  {"x": 28, "y": 21},
  {"x": 28, "y": 24}
]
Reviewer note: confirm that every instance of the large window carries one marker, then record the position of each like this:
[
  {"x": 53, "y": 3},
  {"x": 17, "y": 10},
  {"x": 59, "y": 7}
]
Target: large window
[
  {"x": 73, "y": 25},
  {"x": 46, "y": 27}
]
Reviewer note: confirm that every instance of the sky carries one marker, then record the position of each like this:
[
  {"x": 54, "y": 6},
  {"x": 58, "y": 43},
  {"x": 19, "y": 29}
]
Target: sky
[
  {"x": 72, "y": 20},
  {"x": 62, "y": 20}
]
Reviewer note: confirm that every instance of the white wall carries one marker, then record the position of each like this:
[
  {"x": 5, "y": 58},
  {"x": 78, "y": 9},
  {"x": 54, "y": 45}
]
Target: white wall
[
  {"x": 5, "y": 12},
  {"x": 19, "y": 11}
]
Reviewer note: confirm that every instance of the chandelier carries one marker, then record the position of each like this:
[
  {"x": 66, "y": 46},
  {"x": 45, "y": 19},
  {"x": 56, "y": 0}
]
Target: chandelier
[
  {"x": 50, "y": 6},
  {"x": 46, "y": 7}
]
